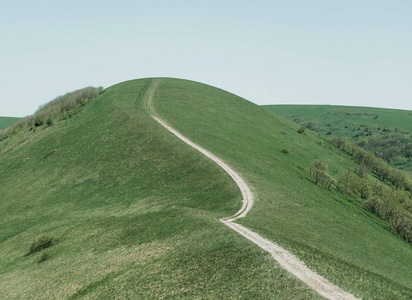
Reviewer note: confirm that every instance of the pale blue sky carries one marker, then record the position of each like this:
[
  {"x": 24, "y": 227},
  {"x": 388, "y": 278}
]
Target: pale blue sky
[{"x": 269, "y": 52}]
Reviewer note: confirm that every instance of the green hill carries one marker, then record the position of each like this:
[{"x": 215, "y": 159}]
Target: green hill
[
  {"x": 7, "y": 121},
  {"x": 133, "y": 212},
  {"x": 346, "y": 115},
  {"x": 386, "y": 132}
]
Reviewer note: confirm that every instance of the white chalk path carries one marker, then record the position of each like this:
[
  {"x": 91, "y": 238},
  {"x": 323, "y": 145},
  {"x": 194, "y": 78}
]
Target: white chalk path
[{"x": 287, "y": 260}]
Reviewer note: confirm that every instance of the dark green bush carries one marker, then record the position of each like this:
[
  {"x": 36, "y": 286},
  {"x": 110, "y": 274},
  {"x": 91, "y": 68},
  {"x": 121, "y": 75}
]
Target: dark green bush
[
  {"x": 301, "y": 130},
  {"x": 285, "y": 151},
  {"x": 42, "y": 243},
  {"x": 51, "y": 152}
]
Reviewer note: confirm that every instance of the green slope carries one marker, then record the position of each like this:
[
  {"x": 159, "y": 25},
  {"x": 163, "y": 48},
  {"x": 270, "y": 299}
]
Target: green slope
[
  {"x": 7, "y": 121},
  {"x": 135, "y": 210},
  {"x": 333, "y": 236}
]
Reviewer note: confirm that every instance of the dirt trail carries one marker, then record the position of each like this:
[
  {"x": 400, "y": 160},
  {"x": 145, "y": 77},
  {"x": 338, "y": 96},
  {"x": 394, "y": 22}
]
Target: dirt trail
[{"x": 287, "y": 260}]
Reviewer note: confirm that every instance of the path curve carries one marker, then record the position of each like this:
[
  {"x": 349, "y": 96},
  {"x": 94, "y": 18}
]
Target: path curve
[{"x": 287, "y": 260}]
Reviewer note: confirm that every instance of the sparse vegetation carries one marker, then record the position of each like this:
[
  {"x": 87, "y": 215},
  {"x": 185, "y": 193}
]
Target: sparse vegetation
[
  {"x": 42, "y": 243},
  {"x": 62, "y": 107},
  {"x": 391, "y": 202},
  {"x": 387, "y": 133}
]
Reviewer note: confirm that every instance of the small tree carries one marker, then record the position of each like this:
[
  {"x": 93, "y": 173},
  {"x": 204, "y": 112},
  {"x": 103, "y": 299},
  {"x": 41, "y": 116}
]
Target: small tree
[{"x": 319, "y": 176}]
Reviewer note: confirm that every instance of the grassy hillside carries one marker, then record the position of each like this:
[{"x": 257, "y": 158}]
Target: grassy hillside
[
  {"x": 386, "y": 132},
  {"x": 331, "y": 234},
  {"x": 7, "y": 121},
  {"x": 133, "y": 211}
]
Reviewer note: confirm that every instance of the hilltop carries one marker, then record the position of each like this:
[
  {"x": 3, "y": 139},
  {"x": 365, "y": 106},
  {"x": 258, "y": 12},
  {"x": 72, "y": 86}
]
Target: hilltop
[{"x": 132, "y": 211}]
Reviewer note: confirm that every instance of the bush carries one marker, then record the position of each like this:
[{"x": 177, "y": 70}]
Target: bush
[
  {"x": 321, "y": 165},
  {"x": 42, "y": 243},
  {"x": 317, "y": 173},
  {"x": 382, "y": 170},
  {"x": 51, "y": 152},
  {"x": 355, "y": 187},
  {"x": 44, "y": 257},
  {"x": 301, "y": 130},
  {"x": 311, "y": 125},
  {"x": 399, "y": 219},
  {"x": 362, "y": 170},
  {"x": 285, "y": 151}
]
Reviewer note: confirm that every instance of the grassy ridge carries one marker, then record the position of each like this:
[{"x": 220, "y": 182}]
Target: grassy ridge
[
  {"x": 7, "y": 121},
  {"x": 134, "y": 213},
  {"x": 333, "y": 235}
]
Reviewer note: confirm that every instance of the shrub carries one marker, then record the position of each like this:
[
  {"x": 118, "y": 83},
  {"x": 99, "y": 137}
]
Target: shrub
[
  {"x": 50, "y": 121},
  {"x": 301, "y": 130},
  {"x": 362, "y": 170},
  {"x": 355, "y": 187},
  {"x": 320, "y": 164},
  {"x": 311, "y": 125},
  {"x": 51, "y": 152},
  {"x": 42, "y": 243},
  {"x": 38, "y": 122},
  {"x": 44, "y": 257},
  {"x": 317, "y": 173},
  {"x": 285, "y": 151}
]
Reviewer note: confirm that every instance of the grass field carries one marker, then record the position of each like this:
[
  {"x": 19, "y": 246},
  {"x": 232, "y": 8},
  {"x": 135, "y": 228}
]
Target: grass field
[
  {"x": 135, "y": 211},
  {"x": 7, "y": 121},
  {"x": 340, "y": 116},
  {"x": 386, "y": 132}
]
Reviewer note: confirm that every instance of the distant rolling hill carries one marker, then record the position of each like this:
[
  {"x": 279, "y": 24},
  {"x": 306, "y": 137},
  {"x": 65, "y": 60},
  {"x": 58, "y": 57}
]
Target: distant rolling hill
[
  {"x": 386, "y": 132},
  {"x": 133, "y": 212},
  {"x": 7, "y": 121},
  {"x": 336, "y": 115}
]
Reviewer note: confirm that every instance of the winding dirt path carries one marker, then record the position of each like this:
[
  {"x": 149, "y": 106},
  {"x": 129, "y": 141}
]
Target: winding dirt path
[{"x": 287, "y": 260}]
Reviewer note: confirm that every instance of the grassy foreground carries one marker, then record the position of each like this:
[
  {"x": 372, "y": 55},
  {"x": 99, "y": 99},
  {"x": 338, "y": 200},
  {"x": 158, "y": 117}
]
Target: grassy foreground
[
  {"x": 132, "y": 212},
  {"x": 7, "y": 121}
]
